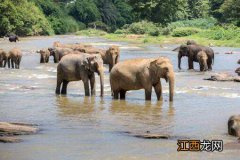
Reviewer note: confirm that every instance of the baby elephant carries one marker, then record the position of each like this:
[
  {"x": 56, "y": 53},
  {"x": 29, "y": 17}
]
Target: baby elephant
[
  {"x": 3, "y": 58},
  {"x": 44, "y": 55},
  {"x": 15, "y": 55},
  {"x": 234, "y": 125},
  {"x": 202, "y": 60}
]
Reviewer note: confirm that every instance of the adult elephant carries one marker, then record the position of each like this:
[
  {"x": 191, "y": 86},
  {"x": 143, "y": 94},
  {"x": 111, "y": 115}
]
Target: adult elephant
[
  {"x": 44, "y": 55},
  {"x": 58, "y": 53},
  {"x": 3, "y": 58},
  {"x": 13, "y": 38},
  {"x": 110, "y": 56},
  {"x": 138, "y": 74},
  {"x": 191, "y": 52},
  {"x": 75, "y": 67},
  {"x": 15, "y": 55}
]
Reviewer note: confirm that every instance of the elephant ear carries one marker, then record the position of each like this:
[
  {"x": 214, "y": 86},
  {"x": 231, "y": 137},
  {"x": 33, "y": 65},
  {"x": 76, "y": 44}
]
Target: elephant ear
[{"x": 86, "y": 64}]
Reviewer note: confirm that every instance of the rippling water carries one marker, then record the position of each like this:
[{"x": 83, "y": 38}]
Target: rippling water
[{"x": 77, "y": 127}]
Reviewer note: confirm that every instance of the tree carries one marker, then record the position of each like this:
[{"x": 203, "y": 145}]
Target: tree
[
  {"x": 198, "y": 8},
  {"x": 214, "y": 8},
  {"x": 85, "y": 11},
  {"x": 231, "y": 11}
]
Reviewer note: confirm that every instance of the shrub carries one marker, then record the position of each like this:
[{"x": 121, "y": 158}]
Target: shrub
[
  {"x": 91, "y": 32},
  {"x": 99, "y": 25},
  {"x": 121, "y": 31},
  {"x": 181, "y": 32}
]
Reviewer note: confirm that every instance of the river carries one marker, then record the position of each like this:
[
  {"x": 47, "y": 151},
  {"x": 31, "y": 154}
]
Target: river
[{"x": 75, "y": 127}]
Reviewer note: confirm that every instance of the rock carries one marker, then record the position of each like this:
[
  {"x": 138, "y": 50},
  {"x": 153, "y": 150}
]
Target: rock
[
  {"x": 8, "y": 139},
  {"x": 238, "y": 71},
  {"x": 8, "y": 131},
  {"x": 238, "y": 61},
  {"x": 232, "y": 145},
  {"x": 223, "y": 77},
  {"x": 148, "y": 135}
]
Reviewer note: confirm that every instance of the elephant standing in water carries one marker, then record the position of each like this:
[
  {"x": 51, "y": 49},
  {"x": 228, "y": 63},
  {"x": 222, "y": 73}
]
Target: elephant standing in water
[
  {"x": 141, "y": 73},
  {"x": 75, "y": 67},
  {"x": 44, "y": 55},
  {"x": 4, "y": 58},
  {"x": 202, "y": 59},
  {"x": 13, "y": 38},
  {"x": 191, "y": 51},
  {"x": 58, "y": 53},
  {"x": 234, "y": 125},
  {"x": 15, "y": 55}
]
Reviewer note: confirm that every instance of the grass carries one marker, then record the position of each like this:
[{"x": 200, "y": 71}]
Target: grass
[{"x": 147, "y": 39}]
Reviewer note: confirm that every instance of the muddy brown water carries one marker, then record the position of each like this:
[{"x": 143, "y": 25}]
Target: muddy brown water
[{"x": 75, "y": 127}]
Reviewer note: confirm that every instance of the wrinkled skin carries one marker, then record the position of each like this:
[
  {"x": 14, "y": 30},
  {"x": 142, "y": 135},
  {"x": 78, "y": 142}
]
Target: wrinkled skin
[
  {"x": 44, "y": 55},
  {"x": 58, "y": 53},
  {"x": 202, "y": 59},
  {"x": 144, "y": 74},
  {"x": 13, "y": 38},
  {"x": 15, "y": 56},
  {"x": 3, "y": 58},
  {"x": 75, "y": 67},
  {"x": 238, "y": 71},
  {"x": 234, "y": 125},
  {"x": 110, "y": 56},
  {"x": 191, "y": 52}
]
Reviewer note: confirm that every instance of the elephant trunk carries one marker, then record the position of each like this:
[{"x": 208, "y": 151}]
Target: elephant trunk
[
  {"x": 171, "y": 86},
  {"x": 205, "y": 65},
  {"x": 100, "y": 71},
  {"x": 179, "y": 60}
]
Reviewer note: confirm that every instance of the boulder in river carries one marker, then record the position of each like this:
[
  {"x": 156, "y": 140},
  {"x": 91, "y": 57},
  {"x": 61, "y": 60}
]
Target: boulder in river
[{"x": 9, "y": 131}]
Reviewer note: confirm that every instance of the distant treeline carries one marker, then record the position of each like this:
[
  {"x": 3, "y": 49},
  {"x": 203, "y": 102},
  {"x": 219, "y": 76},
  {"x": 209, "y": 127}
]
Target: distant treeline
[{"x": 47, "y": 17}]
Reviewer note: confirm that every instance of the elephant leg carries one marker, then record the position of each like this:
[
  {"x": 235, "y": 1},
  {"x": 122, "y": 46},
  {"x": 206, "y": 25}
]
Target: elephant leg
[
  {"x": 201, "y": 67},
  {"x": 5, "y": 63},
  {"x": 8, "y": 62},
  {"x": 86, "y": 87},
  {"x": 115, "y": 94},
  {"x": 209, "y": 63},
  {"x": 92, "y": 85},
  {"x": 47, "y": 60},
  {"x": 148, "y": 94},
  {"x": 190, "y": 63},
  {"x": 122, "y": 94},
  {"x": 110, "y": 67},
  {"x": 158, "y": 90},
  {"x": 59, "y": 82},
  {"x": 64, "y": 87},
  {"x": 12, "y": 63}
]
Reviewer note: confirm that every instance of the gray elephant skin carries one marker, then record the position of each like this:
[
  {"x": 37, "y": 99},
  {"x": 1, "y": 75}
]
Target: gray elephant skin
[
  {"x": 191, "y": 52},
  {"x": 144, "y": 74},
  {"x": 75, "y": 67},
  {"x": 15, "y": 56},
  {"x": 234, "y": 125},
  {"x": 202, "y": 59}
]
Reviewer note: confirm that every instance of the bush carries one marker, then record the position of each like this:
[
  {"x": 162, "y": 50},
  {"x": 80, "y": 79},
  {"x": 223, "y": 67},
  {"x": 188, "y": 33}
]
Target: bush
[
  {"x": 143, "y": 27},
  {"x": 91, "y": 32},
  {"x": 121, "y": 31},
  {"x": 181, "y": 32}
]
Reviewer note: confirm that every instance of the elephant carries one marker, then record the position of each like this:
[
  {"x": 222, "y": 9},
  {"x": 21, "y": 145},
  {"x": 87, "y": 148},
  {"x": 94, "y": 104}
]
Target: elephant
[
  {"x": 191, "y": 52},
  {"x": 238, "y": 61},
  {"x": 75, "y": 67},
  {"x": 202, "y": 59},
  {"x": 142, "y": 73},
  {"x": 191, "y": 42},
  {"x": 44, "y": 55},
  {"x": 58, "y": 53},
  {"x": 3, "y": 58},
  {"x": 71, "y": 46},
  {"x": 110, "y": 56},
  {"x": 234, "y": 125},
  {"x": 15, "y": 55},
  {"x": 238, "y": 71},
  {"x": 13, "y": 38}
]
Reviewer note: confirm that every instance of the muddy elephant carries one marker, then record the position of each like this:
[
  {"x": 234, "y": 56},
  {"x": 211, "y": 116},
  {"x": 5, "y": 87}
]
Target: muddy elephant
[
  {"x": 234, "y": 125},
  {"x": 3, "y": 58},
  {"x": 75, "y": 67},
  {"x": 15, "y": 56},
  {"x": 58, "y": 53},
  {"x": 44, "y": 55},
  {"x": 144, "y": 74},
  {"x": 202, "y": 60},
  {"x": 191, "y": 52},
  {"x": 13, "y": 38},
  {"x": 110, "y": 56}
]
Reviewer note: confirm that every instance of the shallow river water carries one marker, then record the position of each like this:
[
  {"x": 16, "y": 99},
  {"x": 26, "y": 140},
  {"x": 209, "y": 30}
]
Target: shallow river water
[{"x": 75, "y": 127}]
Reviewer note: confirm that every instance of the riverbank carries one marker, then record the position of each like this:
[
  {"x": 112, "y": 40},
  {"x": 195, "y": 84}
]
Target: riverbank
[{"x": 161, "y": 39}]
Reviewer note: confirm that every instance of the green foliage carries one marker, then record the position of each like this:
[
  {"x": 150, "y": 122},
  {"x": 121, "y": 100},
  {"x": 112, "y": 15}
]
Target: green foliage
[
  {"x": 187, "y": 31},
  {"x": 198, "y": 8},
  {"x": 143, "y": 27},
  {"x": 24, "y": 19},
  {"x": 231, "y": 11},
  {"x": 84, "y": 11},
  {"x": 99, "y": 25},
  {"x": 91, "y": 32}
]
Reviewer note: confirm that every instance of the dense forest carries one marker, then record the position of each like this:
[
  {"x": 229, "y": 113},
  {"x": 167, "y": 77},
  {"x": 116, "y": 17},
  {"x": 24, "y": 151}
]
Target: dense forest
[{"x": 48, "y": 17}]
